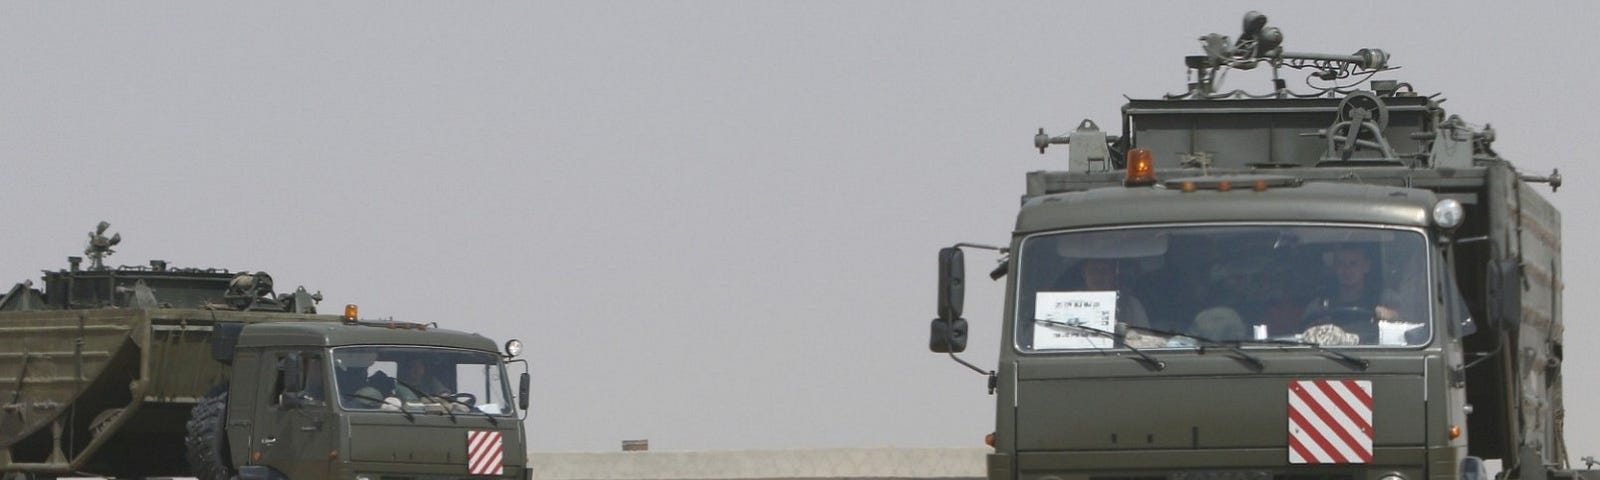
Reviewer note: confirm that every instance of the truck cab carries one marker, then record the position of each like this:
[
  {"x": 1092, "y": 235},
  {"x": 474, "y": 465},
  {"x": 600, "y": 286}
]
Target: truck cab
[
  {"x": 1260, "y": 329},
  {"x": 353, "y": 400},
  {"x": 1344, "y": 284}
]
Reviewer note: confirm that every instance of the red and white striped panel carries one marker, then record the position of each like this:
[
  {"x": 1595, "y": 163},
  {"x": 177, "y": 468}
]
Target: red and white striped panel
[
  {"x": 484, "y": 448},
  {"x": 1330, "y": 421}
]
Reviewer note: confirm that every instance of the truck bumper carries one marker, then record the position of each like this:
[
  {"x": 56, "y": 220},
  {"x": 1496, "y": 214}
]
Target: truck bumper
[{"x": 1218, "y": 464}]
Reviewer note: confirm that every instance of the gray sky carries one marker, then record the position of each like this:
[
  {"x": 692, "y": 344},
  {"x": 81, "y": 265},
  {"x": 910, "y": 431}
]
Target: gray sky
[{"x": 713, "y": 224}]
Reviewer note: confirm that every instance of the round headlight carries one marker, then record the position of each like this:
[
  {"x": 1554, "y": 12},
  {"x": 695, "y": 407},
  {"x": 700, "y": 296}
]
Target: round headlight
[
  {"x": 1447, "y": 213},
  {"x": 513, "y": 348}
]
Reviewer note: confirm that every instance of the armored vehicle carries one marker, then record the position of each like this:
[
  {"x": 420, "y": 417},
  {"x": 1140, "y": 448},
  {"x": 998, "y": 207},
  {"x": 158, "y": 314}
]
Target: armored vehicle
[
  {"x": 161, "y": 371},
  {"x": 1344, "y": 283}
]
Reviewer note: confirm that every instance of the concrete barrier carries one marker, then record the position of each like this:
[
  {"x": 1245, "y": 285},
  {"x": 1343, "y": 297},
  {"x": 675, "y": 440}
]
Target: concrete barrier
[{"x": 844, "y": 463}]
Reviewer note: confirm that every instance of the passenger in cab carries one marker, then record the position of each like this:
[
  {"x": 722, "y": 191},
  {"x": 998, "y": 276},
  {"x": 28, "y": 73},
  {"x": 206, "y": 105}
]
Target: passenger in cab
[{"x": 1103, "y": 275}]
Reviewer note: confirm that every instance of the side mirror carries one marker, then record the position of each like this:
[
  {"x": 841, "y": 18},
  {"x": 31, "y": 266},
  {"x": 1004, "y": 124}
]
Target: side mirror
[
  {"x": 952, "y": 283},
  {"x": 1504, "y": 291},
  {"x": 948, "y": 336},
  {"x": 522, "y": 391}
]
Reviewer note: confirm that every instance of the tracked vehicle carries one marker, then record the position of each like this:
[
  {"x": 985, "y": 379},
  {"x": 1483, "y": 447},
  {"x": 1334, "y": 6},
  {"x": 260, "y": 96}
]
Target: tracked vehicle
[
  {"x": 1345, "y": 283},
  {"x": 160, "y": 371}
]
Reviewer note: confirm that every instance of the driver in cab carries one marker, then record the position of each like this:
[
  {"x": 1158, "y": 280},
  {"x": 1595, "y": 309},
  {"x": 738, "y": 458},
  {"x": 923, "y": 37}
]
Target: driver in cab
[
  {"x": 1348, "y": 313},
  {"x": 414, "y": 376}
]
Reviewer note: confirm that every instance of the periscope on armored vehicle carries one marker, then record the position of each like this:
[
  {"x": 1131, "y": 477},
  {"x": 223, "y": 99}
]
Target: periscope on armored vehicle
[
  {"x": 1344, "y": 283},
  {"x": 160, "y": 371}
]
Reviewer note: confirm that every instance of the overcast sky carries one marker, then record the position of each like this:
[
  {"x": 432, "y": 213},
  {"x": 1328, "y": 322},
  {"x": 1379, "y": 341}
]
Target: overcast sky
[{"x": 714, "y": 224}]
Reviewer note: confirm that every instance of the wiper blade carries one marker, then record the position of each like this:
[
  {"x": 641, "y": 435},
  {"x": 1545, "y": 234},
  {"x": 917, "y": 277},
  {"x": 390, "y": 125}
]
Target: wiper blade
[
  {"x": 1232, "y": 347},
  {"x": 381, "y": 402},
  {"x": 1345, "y": 357},
  {"x": 435, "y": 398},
  {"x": 1152, "y": 361}
]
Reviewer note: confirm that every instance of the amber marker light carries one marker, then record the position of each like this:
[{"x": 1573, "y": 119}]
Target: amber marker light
[
  {"x": 1455, "y": 432},
  {"x": 989, "y": 439},
  {"x": 1260, "y": 186},
  {"x": 1188, "y": 187},
  {"x": 1141, "y": 168},
  {"x": 351, "y": 312},
  {"x": 1224, "y": 186}
]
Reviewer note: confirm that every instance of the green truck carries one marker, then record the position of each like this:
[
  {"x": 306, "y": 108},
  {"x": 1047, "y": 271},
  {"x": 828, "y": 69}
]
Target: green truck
[
  {"x": 1344, "y": 283},
  {"x": 155, "y": 371}
]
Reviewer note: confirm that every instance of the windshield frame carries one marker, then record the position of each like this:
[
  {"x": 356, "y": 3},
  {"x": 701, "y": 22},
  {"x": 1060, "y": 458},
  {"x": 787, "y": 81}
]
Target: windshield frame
[
  {"x": 1429, "y": 266},
  {"x": 509, "y": 402}
]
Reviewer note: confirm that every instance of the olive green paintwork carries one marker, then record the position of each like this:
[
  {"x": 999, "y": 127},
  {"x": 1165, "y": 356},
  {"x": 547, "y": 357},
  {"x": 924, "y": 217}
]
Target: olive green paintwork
[
  {"x": 1085, "y": 415},
  {"x": 335, "y": 334},
  {"x": 1088, "y": 414},
  {"x": 1381, "y": 158},
  {"x": 121, "y": 383},
  {"x": 323, "y": 440},
  {"x": 1313, "y": 202}
]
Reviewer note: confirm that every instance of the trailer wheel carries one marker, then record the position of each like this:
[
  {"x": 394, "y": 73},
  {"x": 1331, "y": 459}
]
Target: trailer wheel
[{"x": 207, "y": 440}]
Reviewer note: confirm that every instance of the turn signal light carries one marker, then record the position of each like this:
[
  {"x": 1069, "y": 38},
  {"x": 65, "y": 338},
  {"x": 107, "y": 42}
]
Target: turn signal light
[{"x": 1141, "y": 168}]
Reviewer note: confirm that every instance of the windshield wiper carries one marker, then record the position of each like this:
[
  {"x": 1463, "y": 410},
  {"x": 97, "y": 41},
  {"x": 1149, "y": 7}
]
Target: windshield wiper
[
  {"x": 470, "y": 408},
  {"x": 381, "y": 402},
  {"x": 435, "y": 398},
  {"x": 448, "y": 401},
  {"x": 1341, "y": 356},
  {"x": 1152, "y": 361},
  {"x": 1231, "y": 346}
]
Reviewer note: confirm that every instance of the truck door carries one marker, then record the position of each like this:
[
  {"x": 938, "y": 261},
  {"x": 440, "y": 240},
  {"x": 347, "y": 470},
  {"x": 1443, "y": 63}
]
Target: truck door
[{"x": 296, "y": 431}]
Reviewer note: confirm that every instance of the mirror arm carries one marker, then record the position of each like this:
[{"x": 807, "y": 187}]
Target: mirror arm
[
  {"x": 968, "y": 364},
  {"x": 994, "y": 381},
  {"x": 1002, "y": 250}
]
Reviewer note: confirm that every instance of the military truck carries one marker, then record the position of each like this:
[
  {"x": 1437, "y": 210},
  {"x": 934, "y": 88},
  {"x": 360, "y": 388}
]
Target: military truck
[
  {"x": 154, "y": 370},
  {"x": 1344, "y": 283}
]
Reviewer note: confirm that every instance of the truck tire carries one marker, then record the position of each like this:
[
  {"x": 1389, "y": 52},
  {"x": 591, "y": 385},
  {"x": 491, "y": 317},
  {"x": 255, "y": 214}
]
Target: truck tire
[{"x": 207, "y": 440}]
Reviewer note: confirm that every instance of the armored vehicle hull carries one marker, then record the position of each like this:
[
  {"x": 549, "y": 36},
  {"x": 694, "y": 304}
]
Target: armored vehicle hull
[
  {"x": 108, "y": 390},
  {"x": 154, "y": 371}
]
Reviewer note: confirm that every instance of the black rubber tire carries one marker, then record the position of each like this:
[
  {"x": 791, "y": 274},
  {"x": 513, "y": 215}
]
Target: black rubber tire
[{"x": 207, "y": 439}]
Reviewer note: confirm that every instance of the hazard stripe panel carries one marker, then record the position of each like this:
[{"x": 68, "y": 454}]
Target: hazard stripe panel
[
  {"x": 1330, "y": 421},
  {"x": 484, "y": 449}
]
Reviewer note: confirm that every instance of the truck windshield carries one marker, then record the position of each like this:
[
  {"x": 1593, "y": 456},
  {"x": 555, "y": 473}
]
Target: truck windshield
[
  {"x": 421, "y": 379},
  {"x": 1328, "y": 285}
]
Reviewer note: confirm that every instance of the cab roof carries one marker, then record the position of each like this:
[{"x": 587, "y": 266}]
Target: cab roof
[
  {"x": 1309, "y": 202},
  {"x": 332, "y": 334}
]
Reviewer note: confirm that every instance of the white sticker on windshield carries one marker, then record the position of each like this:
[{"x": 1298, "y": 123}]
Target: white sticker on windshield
[
  {"x": 1063, "y": 316},
  {"x": 1394, "y": 333}
]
